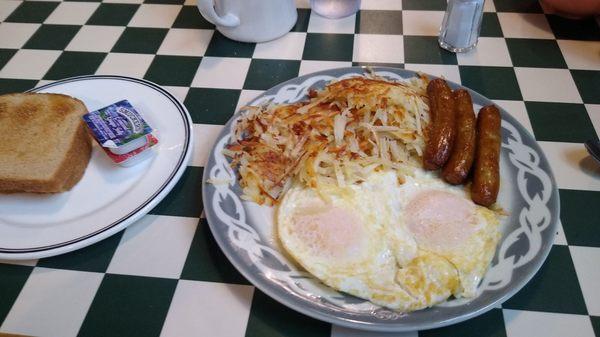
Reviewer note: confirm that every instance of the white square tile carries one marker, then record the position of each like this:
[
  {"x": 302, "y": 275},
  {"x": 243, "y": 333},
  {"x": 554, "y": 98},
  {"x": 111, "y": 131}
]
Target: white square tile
[
  {"x": 518, "y": 110},
  {"x": 378, "y": 48},
  {"x": 134, "y": 65},
  {"x": 519, "y": 25},
  {"x": 72, "y": 13},
  {"x": 155, "y": 16},
  {"x": 531, "y": 323},
  {"x": 246, "y": 97},
  {"x": 124, "y": 1},
  {"x": 490, "y": 51},
  {"x": 14, "y": 35},
  {"x": 422, "y": 22},
  {"x": 186, "y": 42},
  {"x": 179, "y": 92},
  {"x": 7, "y": 7},
  {"x": 307, "y": 66},
  {"x": 585, "y": 260},
  {"x": 56, "y": 300},
  {"x": 549, "y": 85},
  {"x": 581, "y": 54},
  {"x": 206, "y": 135},
  {"x": 156, "y": 246},
  {"x": 489, "y": 6},
  {"x": 30, "y": 263},
  {"x": 221, "y": 72},
  {"x": 338, "y": 331},
  {"x": 95, "y": 38},
  {"x": 569, "y": 162},
  {"x": 288, "y": 47},
  {"x": 198, "y": 309},
  {"x": 381, "y": 4},
  {"x": 320, "y": 24},
  {"x": 29, "y": 64},
  {"x": 594, "y": 113},
  {"x": 447, "y": 71},
  {"x": 302, "y": 3}
]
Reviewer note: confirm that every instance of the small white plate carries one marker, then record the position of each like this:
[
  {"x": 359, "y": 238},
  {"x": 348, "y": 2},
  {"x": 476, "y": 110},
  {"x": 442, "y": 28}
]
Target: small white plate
[{"x": 109, "y": 197}]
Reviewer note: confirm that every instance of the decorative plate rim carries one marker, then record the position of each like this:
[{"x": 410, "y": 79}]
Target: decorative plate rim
[{"x": 311, "y": 309}]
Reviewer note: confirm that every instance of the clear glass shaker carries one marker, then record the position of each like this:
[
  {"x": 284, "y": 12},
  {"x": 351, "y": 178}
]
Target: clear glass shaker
[{"x": 461, "y": 25}]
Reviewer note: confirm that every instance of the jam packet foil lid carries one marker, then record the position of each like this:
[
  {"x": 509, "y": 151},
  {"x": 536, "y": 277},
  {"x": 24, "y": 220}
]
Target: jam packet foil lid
[
  {"x": 135, "y": 156},
  {"x": 117, "y": 125}
]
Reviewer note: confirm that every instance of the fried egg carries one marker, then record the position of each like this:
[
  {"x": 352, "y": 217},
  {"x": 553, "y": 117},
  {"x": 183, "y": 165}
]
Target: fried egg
[{"x": 403, "y": 246}]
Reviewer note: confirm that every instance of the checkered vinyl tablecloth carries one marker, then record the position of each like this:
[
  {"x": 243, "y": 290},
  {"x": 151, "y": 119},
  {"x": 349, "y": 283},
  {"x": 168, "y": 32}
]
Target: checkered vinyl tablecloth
[{"x": 165, "y": 274}]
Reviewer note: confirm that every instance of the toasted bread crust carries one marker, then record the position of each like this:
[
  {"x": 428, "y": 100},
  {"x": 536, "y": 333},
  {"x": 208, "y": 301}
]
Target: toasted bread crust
[{"x": 73, "y": 161}]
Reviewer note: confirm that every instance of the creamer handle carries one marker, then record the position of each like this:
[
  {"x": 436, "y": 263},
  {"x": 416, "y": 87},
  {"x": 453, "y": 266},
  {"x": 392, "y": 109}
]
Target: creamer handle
[{"x": 207, "y": 9}]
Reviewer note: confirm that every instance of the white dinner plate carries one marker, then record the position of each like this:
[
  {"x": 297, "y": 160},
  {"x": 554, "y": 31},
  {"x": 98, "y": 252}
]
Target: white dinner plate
[{"x": 109, "y": 197}]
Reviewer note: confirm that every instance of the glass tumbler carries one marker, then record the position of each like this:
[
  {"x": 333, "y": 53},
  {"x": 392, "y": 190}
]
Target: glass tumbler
[
  {"x": 335, "y": 9},
  {"x": 461, "y": 25}
]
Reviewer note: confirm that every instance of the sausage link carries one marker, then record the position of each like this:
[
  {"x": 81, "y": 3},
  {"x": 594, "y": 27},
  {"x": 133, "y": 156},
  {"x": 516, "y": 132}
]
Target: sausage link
[
  {"x": 461, "y": 159},
  {"x": 486, "y": 174},
  {"x": 442, "y": 127}
]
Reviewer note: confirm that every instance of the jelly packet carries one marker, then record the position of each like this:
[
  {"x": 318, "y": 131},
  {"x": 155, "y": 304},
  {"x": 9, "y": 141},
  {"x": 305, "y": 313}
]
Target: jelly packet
[{"x": 122, "y": 132}]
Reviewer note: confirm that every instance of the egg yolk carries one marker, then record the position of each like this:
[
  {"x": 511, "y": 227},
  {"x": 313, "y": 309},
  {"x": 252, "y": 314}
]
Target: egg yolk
[
  {"x": 440, "y": 219},
  {"x": 330, "y": 233}
]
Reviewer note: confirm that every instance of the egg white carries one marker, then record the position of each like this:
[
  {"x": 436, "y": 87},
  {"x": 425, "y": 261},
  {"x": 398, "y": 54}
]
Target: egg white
[{"x": 359, "y": 239}]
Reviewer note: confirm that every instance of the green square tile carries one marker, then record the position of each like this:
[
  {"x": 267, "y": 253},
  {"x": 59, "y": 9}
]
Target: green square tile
[
  {"x": 6, "y": 55},
  {"x": 173, "y": 70},
  {"x": 206, "y": 261},
  {"x": 140, "y": 40},
  {"x": 328, "y": 47},
  {"x": 567, "y": 29},
  {"x": 12, "y": 281},
  {"x": 264, "y": 74},
  {"x": 596, "y": 325},
  {"x": 492, "y": 82},
  {"x": 113, "y": 14},
  {"x": 74, "y": 63},
  {"x": 541, "y": 293},
  {"x": 560, "y": 122},
  {"x": 535, "y": 53},
  {"x": 224, "y": 47},
  {"x": 269, "y": 318},
  {"x": 94, "y": 258},
  {"x": 52, "y": 37},
  {"x": 129, "y": 306},
  {"x": 211, "y": 106},
  {"x": 490, "y": 25},
  {"x": 420, "y": 5},
  {"x": 588, "y": 83},
  {"x": 9, "y": 85},
  {"x": 490, "y": 324},
  {"x": 302, "y": 21},
  {"x": 580, "y": 217},
  {"x": 185, "y": 199},
  {"x": 519, "y": 6},
  {"x": 32, "y": 12},
  {"x": 379, "y": 22},
  {"x": 190, "y": 17},
  {"x": 425, "y": 49}
]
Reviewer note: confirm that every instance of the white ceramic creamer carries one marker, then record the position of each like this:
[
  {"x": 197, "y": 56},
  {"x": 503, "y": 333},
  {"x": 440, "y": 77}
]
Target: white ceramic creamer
[{"x": 250, "y": 20}]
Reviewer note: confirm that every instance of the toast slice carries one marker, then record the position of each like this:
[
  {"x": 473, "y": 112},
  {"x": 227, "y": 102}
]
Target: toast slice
[{"x": 44, "y": 143}]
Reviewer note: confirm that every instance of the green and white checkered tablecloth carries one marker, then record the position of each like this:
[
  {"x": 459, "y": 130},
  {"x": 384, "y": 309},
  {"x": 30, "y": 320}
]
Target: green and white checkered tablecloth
[{"x": 166, "y": 276}]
